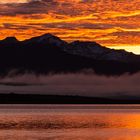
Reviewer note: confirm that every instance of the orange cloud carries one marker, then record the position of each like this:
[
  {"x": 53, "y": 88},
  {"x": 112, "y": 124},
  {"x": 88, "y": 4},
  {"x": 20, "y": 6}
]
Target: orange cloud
[{"x": 111, "y": 23}]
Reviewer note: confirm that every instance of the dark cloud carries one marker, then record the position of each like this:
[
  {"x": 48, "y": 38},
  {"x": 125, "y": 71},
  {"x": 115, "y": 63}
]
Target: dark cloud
[
  {"x": 16, "y": 27},
  {"x": 40, "y": 7},
  {"x": 32, "y": 7},
  {"x": 126, "y": 33},
  {"x": 83, "y": 84}
]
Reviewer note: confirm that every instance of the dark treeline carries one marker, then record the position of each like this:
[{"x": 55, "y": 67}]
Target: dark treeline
[{"x": 13, "y": 98}]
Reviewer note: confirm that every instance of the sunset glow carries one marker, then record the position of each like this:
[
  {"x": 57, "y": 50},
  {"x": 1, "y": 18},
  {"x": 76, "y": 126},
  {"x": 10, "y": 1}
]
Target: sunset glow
[{"x": 112, "y": 23}]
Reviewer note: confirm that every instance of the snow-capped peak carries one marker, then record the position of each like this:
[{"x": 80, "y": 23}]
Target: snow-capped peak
[{"x": 50, "y": 39}]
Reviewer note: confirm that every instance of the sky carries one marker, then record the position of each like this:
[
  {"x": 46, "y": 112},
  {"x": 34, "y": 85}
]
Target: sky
[{"x": 112, "y": 23}]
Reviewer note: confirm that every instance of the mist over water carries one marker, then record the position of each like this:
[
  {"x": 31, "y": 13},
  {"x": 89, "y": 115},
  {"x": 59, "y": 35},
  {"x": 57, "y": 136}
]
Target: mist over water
[{"x": 86, "y": 84}]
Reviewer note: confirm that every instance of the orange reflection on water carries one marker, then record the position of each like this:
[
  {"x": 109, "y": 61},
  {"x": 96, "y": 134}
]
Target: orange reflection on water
[{"x": 70, "y": 125}]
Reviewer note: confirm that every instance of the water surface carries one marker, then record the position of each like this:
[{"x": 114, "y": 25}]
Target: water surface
[{"x": 69, "y": 122}]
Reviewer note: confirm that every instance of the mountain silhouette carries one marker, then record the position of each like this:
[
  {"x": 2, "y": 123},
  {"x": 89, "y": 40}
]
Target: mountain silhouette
[{"x": 48, "y": 53}]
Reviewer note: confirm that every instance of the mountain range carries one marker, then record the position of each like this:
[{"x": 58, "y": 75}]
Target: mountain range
[{"x": 48, "y": 53}]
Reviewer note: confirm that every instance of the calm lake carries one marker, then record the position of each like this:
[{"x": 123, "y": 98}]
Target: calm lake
[{"x": 69, "y": 122}]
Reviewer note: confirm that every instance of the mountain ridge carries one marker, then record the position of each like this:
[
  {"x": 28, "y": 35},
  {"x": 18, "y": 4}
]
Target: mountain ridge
[
  {"x": 48, "y": 53},
  {"x": 49, "y": 35}
]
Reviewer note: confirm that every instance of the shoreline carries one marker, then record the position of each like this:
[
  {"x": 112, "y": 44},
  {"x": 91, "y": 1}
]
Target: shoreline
[{"x": 15, "y": 98}]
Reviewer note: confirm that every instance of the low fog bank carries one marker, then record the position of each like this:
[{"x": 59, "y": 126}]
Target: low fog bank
[{"x": 73, "y": 84}]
